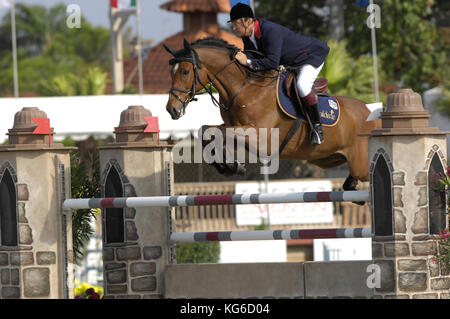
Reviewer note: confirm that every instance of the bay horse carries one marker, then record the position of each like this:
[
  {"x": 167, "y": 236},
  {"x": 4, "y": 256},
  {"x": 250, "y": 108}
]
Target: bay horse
[{"x": 248, "y": 100}]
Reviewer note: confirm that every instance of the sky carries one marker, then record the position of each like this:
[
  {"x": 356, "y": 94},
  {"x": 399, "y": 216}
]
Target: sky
[{"x": 156, "y": 23}]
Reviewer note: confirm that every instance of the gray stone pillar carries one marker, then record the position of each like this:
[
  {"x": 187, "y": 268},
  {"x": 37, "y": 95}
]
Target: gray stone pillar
[
  {"x": 135, "y": 241},
  {"x": 36, "y": 253},
  {"x": 405, "y": 156}
]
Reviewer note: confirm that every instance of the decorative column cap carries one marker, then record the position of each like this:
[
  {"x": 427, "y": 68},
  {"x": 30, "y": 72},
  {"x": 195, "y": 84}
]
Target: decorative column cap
[
  {"x": 24, "y": 118},
  {"x": 130, "y": 132},
  {"x": 23, "y": 127},
  {"x": 404, "y": 100},
  {"x": 21, "y": 137},
  {"x": 405, "y": 115},
  {"x": 133, "y": 116}
]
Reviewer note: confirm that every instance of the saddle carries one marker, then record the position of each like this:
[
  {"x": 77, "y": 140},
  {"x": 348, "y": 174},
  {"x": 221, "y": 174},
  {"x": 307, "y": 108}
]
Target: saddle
[{"x": 320, "y": 85}]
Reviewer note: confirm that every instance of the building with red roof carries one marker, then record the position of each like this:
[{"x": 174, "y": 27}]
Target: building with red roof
[{"x": 199, "y": 21}]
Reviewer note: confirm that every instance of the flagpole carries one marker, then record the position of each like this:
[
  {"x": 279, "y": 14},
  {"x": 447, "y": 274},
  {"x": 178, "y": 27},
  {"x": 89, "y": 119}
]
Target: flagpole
[
  {"x": 139, "y": 39},
  {"x": 14, "y": 48},
  {"x": 374, "y": 56},
  {"x": 252, "y": 5}
]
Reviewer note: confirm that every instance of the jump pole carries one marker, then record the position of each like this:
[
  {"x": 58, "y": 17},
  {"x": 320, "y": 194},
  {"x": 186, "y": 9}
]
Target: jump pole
[
  {"x": 271, "y": 235},
  {"x": 230, "y": 199}
]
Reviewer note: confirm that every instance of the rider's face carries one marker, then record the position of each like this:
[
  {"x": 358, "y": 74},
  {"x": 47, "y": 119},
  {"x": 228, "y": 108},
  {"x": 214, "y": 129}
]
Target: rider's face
[{"x": 241, "y": 28}]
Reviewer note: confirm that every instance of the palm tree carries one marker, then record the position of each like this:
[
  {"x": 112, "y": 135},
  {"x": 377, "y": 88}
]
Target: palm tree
[
  {"x": 84, "y": 185},
  {"x": 36, "y": 27},
  {"x": 93, "y": 83},
  {"x": 348, "y": 76}
]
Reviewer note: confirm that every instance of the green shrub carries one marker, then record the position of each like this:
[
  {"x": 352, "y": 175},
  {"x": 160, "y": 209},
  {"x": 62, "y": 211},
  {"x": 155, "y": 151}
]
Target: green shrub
[{"x": 195, "y": 253}]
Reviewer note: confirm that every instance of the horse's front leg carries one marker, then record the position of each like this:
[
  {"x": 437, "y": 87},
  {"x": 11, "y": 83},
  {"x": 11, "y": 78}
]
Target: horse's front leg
[
  {"x": 225, "y": 147},
  {"x": 350, "y": 185},
  {"x": 211, "y": 137}
]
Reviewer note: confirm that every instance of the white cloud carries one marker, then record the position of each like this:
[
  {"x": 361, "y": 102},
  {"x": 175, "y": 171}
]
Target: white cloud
[{"x": 4, "y": 4}]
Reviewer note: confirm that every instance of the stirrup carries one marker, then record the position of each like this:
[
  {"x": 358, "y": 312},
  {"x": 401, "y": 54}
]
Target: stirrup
[{"x": 316, "y": 135}]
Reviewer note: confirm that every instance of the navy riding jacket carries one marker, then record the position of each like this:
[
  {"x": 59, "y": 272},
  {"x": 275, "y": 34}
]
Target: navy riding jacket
[{"x": 282, "y": 46}]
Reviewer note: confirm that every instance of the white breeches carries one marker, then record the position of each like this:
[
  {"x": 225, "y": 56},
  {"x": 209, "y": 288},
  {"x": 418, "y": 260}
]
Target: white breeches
[{"x": 306, "y": 77}]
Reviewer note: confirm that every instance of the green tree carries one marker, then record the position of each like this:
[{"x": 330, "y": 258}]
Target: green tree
[
  {"x": 444, "y": 102},
  {"x": 36, "y": 26},
  {"x": 52, "y": 54},
  {"x": 31, "y": 71},
  {"x": 304, "y": 17},
  {"x": 348, "y": 76},
  {"x": 410, "y": 48},
  {"x": 89, "y": 43},
  {"x": 69, "y": 84},
  {"x": 82, "y": 187},
  {"x": 412, "y": 42}
]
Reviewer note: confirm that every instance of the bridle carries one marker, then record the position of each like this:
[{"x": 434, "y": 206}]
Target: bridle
[
  {"x": 188, "y": 54},
  {"x": 190, "y": 94}
]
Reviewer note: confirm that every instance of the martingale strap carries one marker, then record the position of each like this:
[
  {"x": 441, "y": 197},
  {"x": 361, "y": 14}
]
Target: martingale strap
[{"x": 290, "y": 134}]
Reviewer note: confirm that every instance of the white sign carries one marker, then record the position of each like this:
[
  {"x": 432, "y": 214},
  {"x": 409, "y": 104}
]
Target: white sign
[
  {"x": 342, "y": 249},
  {"x": 288, "y": 213},
  {"x": 252, "y": 251}
]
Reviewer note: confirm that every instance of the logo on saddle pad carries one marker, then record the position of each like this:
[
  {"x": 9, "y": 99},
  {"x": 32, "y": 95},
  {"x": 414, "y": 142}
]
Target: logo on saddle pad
[
  {"x": 333, "y": 104},
  {"x": 328, "y": 106}
]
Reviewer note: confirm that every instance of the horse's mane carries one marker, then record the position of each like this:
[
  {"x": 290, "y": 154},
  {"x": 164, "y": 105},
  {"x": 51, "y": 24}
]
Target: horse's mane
[{"x": 215, "y": 43}]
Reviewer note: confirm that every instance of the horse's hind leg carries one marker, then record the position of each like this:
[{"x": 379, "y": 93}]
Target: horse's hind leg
[{"x": 350, "y": 185}]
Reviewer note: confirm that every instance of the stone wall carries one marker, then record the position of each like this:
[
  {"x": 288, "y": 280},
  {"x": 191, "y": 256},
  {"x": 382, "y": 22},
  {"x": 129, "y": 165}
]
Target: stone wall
[
  {"x": 30, "y": 269},
  {"x": 129, "y": 267},
  {"x": 408, "y": 145},
  {"x": 309, "y": 280}
]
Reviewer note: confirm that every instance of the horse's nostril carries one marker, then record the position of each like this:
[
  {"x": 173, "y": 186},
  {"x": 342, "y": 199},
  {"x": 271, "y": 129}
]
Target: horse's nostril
[{"x": 173, "y": 112}]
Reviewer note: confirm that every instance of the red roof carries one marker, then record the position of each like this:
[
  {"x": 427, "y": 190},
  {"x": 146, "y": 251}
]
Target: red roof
[
  {"x": 156, "y": 68},
  {"x": 197, "y": 6}
]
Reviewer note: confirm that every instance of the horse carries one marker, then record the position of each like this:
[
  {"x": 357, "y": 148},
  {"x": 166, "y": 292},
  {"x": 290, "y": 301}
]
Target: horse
[{"x": 248, "y": 100}]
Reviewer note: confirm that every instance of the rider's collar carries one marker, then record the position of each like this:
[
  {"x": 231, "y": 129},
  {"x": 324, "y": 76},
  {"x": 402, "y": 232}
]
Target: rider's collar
[{"x": 256, "y": 30}]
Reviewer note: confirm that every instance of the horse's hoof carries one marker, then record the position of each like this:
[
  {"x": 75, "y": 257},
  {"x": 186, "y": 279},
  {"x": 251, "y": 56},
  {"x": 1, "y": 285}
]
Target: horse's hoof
[
  {"x": 221, "y": 168},
  {"x": 235, "y": 168},
  {"x": 359, "y": 203},
  {"x": 240, "y": 169}
]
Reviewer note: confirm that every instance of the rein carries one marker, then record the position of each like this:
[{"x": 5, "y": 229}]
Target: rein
[{"x": 190, "y": 96}]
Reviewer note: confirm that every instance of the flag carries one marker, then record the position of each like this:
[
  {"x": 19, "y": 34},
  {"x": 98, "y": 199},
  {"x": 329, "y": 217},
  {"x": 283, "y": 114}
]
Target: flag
[
  {"x": 234, "y": 2},
  {"x": 123, "y": 4},
  {"x": 153, "y": 126},
  {"x": 5, "y": 4},
  {"x": 43, "y": 127},
  {"x": 362, "y": 3}
]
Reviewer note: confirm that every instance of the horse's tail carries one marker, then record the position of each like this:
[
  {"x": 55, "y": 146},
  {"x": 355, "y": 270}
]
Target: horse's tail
[{"x": 365, "y": 113}]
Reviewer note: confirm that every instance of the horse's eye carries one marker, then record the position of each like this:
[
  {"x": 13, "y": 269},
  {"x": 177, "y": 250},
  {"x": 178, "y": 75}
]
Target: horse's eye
[{"x": 185, "y": 72}]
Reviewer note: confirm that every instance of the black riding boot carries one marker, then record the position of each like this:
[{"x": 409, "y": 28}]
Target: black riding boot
[{"x": 316, "y": 136}]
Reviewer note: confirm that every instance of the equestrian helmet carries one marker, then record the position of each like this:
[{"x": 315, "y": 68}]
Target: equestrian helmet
[{"x": 241, "y": 10}]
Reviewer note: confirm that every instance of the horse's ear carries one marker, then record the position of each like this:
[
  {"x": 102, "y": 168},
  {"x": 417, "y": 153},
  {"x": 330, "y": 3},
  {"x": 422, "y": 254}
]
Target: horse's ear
[
  {"x": 187, "y": 45},
  {"x": 169, "y": 49}
]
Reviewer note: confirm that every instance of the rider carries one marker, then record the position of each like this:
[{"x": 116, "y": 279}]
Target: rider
[{"x": 282, "y": 46}]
